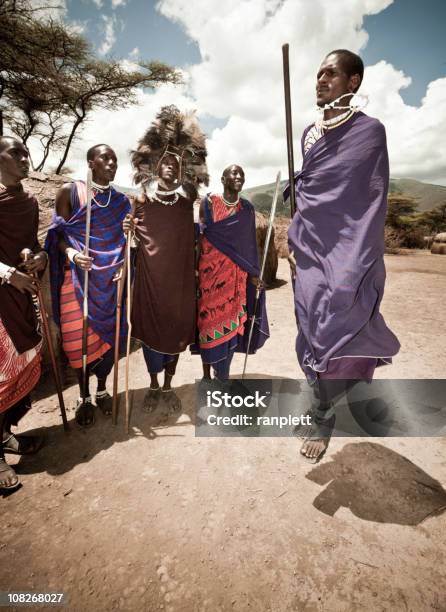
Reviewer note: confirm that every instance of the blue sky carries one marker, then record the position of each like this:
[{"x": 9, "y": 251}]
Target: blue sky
[
  {"x": 142, "y": 27},
  {"x": 410, "y": 34},
  {"x": 230, "y": 54}
]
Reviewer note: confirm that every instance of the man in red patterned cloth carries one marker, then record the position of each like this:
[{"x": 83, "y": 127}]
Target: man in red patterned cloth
[
  {"x": 20, "y": 341},
  {"x": 228, "y": 275}
]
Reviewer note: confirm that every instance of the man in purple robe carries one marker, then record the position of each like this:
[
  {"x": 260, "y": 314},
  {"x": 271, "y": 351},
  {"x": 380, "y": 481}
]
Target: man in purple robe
[{"x": 337, "y": 241}]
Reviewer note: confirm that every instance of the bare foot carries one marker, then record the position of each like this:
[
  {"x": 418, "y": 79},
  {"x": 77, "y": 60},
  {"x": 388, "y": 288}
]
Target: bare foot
[
  {"x": 172, "y": 401},
  {"x": 151, "y": 400},
  {"x": 8, "y": 477},
  {"x": 313, "y": 450}
]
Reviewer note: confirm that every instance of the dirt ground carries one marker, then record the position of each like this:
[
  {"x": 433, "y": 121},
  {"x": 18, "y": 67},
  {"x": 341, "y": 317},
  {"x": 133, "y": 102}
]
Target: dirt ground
[{"x": 162, "y": 520}]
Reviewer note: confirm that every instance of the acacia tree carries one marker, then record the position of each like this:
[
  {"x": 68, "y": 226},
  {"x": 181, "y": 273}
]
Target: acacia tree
[
  {"x": 403, "y": 221},
  {"x": 400, "y": 211},
  {"x": 434, "y": 220},
  {"x": 107, "y": 85},
  {"x": 52, "y": 135},
  {"x": 50, "y": 80},
  {"x": 31, "y": 50}
]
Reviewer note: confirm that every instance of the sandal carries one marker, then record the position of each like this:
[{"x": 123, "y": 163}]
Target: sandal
[
  {"x": 84, "y": 414},
  {"x": 151, "y": 400},
  {"x": 4, "y": 468},
  {"x": 22, "y": 445},
  {"x": 104, "y": 402},
  {"x": 172, "y": 401}
]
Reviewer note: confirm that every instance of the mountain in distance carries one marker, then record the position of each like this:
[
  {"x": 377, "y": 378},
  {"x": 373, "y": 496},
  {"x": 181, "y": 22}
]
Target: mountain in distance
[{"x": 426, "y": 195}]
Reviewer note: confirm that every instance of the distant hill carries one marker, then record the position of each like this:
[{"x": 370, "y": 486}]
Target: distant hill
[{"x": 427, "y": 196}]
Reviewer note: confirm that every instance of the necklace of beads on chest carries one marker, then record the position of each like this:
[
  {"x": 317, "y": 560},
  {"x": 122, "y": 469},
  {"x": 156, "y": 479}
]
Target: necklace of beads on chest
[
  {"x": 166, "y": 202},
  {"x": 101, "y": 189},
  {"x": 230, "y": 204}
]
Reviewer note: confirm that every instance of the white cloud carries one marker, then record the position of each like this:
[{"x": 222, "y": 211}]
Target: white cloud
[
  {"x": 415, "y": 135},
  {"x": 129, "y": 66},
  {"x": 98, "y": 3},
  {"x": 116, "y": 3},
  {"x": 134, "y": 53},
  {"x": 53, "y": 9},
  {"x": 109, "y": 34},
  {"x": 240, "y": 80},
  {"x": 77, "y": 26},
  {"x": 120, "y": 129}
]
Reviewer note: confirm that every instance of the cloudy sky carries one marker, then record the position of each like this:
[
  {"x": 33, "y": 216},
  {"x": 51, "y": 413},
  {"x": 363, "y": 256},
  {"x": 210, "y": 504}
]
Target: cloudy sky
[{"x": 230, "y": 53}]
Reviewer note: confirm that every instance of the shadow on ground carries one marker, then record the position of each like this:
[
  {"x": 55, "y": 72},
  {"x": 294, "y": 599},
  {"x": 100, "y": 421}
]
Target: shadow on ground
[
  {"x": 377, "y": 484},
  {"x": 63, "y": 451}
]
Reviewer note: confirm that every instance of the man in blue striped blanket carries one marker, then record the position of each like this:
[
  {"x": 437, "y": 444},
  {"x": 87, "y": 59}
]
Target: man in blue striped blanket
[{"x": 65, "y": 245}]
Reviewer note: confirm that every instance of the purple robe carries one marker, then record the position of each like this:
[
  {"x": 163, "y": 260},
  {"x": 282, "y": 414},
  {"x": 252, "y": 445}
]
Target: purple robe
[{"x": 337, "y": 237}]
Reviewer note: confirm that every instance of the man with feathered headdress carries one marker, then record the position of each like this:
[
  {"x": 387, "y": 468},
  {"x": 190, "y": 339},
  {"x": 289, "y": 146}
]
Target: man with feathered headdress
[{"x": 169, "y": 163}]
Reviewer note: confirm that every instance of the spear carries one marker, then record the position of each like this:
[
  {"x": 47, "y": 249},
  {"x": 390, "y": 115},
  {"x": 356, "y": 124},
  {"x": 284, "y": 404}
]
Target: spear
[{"x": 262, "y": 269}]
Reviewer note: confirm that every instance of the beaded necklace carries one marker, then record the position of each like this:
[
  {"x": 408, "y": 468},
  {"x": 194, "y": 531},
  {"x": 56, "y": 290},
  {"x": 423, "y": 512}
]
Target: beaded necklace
[
  {"x": 101, "y": 189},
  {"x": 230, "y": 204}
]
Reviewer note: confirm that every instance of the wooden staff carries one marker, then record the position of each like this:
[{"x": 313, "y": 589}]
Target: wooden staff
[
  {"x": 85, "y": 300},
  {"x": 25, "y": 255},
  {"x": 289, "y": 126},
  {"x": 129, "y": 331},
  {"x": 119, "y": 294}
]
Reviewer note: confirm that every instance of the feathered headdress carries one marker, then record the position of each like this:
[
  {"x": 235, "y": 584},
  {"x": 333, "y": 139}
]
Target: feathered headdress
[{"x": 173, "y": 133}]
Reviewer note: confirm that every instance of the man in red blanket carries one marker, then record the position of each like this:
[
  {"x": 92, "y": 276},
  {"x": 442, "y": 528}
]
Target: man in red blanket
[
  {"x": 20, "y": 342},
  {"x": 228, "y": 275}
]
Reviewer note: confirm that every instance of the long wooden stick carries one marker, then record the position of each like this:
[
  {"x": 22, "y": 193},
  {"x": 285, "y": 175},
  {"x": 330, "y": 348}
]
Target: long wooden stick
[
  {"x": 49, "y": 342},
  {"x": 119, "y": 293},
  {"x": 262, "y": 269},
  {"x": 289, "y": 125},
  {"x": 129, "y": 331},
  {"x": 85, "y": 301}
]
